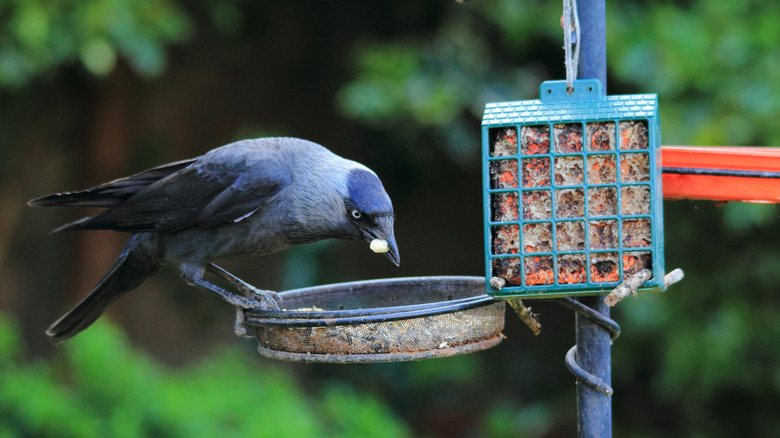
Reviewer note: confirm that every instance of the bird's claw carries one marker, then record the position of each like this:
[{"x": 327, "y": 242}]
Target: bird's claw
[
  {"x": 240, "y": 327},
  {"x": 266, "y": 300}
]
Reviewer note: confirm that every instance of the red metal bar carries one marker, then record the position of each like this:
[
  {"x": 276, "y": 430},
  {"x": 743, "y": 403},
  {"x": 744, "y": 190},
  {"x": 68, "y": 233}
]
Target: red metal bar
[{"x": 749, "y": 161}]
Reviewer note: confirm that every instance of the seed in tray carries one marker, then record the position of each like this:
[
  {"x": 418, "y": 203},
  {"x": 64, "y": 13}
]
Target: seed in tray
[
  {"x": 537, "y": 237},
  {"x": 536, "y": 172},
  {"x": 508, "y": 268},
  {"x": 635, "y": 261},
  {"x": 503, "y": 174}
]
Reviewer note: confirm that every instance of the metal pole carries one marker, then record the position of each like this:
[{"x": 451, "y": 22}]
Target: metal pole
[
  {"x": 593, "y": 48},
  {"x": 594, "y": 409}
]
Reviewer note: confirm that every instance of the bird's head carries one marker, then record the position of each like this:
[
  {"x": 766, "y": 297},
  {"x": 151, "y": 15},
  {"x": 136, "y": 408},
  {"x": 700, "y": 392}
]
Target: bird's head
[{"x": 369, "y": 212}]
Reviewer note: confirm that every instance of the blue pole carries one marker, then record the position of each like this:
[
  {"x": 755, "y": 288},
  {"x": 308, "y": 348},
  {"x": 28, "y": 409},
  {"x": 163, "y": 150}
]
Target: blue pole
[
  {"x": 593, "y": 48},
  {"x": 594, "y": 409}
]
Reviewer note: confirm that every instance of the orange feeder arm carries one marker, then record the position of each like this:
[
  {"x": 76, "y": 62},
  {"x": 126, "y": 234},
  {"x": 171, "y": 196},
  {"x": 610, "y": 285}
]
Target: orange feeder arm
[{"x": 749, "y": 174}]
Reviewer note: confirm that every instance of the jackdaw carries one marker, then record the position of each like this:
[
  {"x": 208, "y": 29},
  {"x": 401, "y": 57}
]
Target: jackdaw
[{"x": 248, "y": 198}]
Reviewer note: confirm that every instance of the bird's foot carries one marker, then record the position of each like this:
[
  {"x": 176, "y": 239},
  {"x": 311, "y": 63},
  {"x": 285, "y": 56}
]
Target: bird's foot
[
  {"x": 250, "y": 297},
  {"x": 240, "y": 327},
  {"x": 265, "y": 300},
  {"x": 270, "y": 299}
]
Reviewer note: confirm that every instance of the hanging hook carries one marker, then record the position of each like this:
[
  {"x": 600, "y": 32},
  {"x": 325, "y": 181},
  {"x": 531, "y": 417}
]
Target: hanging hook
[{"x": 571, "y": 36}]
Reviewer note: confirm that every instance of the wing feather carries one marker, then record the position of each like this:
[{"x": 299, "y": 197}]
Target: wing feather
[
  {"x": 112, "y": 193},
  {"x": 215, "y": 189}
]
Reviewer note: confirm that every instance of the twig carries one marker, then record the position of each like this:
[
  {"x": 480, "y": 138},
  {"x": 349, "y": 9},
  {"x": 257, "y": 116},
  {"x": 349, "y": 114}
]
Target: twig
[
  {"x": 632, "y": 284},
  {"x": 673, "y": 277},
  {"x": 497, "y": 283},
  {"x": 629, "y": 286},
  {"x": 525, "y": 315},
  {"x": 523, "y": 312}
]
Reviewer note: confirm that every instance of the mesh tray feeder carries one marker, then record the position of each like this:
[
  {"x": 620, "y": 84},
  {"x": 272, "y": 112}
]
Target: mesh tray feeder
[{"x": 387, "y": 320}]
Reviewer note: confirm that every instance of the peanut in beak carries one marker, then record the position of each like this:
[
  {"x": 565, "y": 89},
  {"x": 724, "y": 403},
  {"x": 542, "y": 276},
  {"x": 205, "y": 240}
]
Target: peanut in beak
[{"x": 379, "y": 246}]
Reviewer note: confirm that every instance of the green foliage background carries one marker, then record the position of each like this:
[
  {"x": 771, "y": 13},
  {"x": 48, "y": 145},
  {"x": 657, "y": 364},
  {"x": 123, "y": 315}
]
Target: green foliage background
[
  {"x": 40, "y": 35},
  {"x": 100, "y": 386},
  {"x": 411, "y": 81}
]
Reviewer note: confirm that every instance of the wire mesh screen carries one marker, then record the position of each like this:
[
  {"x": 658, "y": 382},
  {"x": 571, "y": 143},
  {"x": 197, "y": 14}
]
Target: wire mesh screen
[{"x": 381, "y": 320}]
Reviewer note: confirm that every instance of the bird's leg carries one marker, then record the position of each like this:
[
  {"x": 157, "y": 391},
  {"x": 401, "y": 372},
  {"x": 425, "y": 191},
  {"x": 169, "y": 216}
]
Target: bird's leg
[
  {"x": 230, "y": 297},
  {"x": 193, "y": 275},
  {"x": 273, "y": 299},
  {"x": 249, "y": 291},
  {"x": 241, "y": 303}
]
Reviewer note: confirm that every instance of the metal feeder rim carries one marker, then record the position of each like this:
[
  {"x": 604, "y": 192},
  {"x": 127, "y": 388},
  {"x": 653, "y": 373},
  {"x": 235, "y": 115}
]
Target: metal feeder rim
[
  {"x": 335, "y": 318},
  {"x": 381, "y": 357},
  {"x": 346, "y": 313}
]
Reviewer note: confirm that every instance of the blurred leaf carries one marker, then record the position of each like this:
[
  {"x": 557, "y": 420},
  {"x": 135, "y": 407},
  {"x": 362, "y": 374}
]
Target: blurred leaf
[
  {"x": 31, "y": 25},
  {"x": 356, "y": 415},
  {"x": 9, "y": 340},
  {"x": 447, "y": 371},
  {"x": 510, "y": 420},
  {"x": 98, "y": 57}
]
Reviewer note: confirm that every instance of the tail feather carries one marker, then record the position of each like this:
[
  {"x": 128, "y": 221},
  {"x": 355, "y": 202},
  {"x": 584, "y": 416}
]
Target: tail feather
[
  {"x": 75, "y": 225},
  {"x": 129, "y": 271}
]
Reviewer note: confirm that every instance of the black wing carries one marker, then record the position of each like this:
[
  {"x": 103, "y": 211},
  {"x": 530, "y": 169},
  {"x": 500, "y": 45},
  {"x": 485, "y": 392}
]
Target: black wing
[
  {"x": 112, "y": 193},
  {"x": 215, "y": 189}
]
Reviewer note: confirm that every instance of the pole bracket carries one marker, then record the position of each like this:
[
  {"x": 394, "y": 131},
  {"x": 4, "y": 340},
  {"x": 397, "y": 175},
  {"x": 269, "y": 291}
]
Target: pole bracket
[{"x": 604, "y": 322}]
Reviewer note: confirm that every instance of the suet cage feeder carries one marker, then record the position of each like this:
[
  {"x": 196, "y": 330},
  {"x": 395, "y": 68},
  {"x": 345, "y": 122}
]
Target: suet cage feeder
[{"x": 572, "y": 192}]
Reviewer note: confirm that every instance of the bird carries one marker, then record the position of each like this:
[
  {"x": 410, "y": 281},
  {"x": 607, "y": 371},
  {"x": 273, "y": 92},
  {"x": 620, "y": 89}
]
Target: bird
[{"x": 248, "y": 198}]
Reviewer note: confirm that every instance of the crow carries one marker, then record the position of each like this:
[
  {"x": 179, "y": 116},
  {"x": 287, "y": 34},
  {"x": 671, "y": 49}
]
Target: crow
[{"x": 248, "y": 198}]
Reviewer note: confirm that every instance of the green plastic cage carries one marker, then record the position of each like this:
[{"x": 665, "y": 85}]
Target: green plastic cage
[{"x": 572, "y": 192}]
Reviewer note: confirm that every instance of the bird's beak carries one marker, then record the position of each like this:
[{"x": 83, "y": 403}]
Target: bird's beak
[
  {"x": 382, "y": 240},
  {"x": 392, "y": 253}
]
